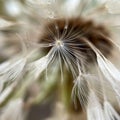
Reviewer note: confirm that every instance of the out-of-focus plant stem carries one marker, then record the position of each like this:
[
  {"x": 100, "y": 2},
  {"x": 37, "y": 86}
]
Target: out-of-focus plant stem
[{"x": 66, "y": 90}]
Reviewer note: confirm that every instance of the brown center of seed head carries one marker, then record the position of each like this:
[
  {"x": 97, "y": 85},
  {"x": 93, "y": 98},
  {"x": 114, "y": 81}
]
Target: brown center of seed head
[{"x": 71, "y": 32}]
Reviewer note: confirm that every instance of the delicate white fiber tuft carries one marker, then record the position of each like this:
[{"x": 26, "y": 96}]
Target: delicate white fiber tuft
[
  {"x": 10, "y": 72},
  {"x": 94, "y": 109}
]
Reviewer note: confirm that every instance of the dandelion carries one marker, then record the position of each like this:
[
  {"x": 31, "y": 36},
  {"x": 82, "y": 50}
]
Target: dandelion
[{"x": 74, "y": 47}]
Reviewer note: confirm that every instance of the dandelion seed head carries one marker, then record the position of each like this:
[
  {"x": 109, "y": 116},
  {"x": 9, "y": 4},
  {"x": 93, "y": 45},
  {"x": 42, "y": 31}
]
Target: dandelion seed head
[
  {"x": 74, "y": 43},
  {"x": 71, "y": 32}
]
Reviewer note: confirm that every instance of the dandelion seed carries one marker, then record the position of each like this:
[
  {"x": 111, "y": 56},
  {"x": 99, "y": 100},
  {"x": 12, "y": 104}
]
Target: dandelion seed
[
  {"x": 110, "y": 72},
  {"x": 106, "y": 67},
  {"x": 94, "y": 109},
  {"x": 12, "y": 72},
  {"x": 81, "y": 89},
  {"x": 40, "y": 65}
]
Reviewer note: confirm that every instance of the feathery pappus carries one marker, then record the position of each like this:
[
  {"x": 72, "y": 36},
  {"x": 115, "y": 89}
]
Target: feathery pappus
[{"x": 70, "y": 50}]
